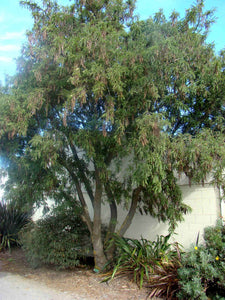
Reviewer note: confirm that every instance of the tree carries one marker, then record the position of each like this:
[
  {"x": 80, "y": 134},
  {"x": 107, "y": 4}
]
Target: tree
[{"x": 114, "y": 107}]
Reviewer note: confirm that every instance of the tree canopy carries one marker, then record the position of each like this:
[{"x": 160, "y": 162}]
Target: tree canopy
[{"x": 113, "y": 107}]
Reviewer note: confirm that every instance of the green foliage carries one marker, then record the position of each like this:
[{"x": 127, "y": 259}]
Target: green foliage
[
  {"x": 214, "y": 237},
  {"x": 12, "y": 220},
  {"x": 202, "y": 274},
  {"x": 152, "y": 264},
  {"x": 60, "y": 239}
]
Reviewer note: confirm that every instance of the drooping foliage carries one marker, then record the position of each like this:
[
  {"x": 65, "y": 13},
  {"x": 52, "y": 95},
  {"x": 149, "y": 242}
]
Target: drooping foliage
[{"x": 113, "y": 106}]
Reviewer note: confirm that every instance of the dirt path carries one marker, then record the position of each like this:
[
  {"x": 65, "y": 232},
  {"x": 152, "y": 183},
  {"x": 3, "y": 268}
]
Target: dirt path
[
  {"x": 17, "y": 279},
  {"x": 15, "y": 287}
]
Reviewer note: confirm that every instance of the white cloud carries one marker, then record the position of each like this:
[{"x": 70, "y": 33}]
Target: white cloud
[
  {"x": 9, "y": 48},
  {"x": 12, "y": 35},
  {"x": 5, "y": 59}
]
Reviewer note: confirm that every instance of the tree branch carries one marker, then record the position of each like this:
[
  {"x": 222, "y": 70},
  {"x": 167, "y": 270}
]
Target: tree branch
[
  {"x": 113, "y": 210},
  {"x": 82, "y": 174},
  {"x": 86, "y": 216},
  {"x": 130, "y": 214},
  {"x": 110, "y": 248}
]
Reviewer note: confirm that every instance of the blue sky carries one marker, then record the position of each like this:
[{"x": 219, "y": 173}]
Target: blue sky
[{"x": 15, "y": 20}]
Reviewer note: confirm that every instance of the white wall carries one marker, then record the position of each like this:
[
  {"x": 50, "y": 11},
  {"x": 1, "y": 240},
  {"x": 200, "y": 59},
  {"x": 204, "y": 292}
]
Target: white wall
[{"x": 205, "y": 204}]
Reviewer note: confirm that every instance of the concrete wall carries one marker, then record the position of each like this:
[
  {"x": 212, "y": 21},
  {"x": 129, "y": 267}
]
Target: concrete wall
[{"x": 205, "y": 204}]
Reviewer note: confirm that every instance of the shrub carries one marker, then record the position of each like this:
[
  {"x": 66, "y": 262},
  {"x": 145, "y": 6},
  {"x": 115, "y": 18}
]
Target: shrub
[
  {"x": 153, "y": 264},
  {"x": 203, "y": 268},
  {"x": 12, "y": 220},
  {"x": 60, "y": 239}
]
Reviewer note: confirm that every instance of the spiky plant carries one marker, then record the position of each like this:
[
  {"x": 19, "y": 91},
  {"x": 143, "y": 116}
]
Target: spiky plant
[
  {"x": 164, "y": 280},
  {"x": 12, "y": 220},
  {"x": 151, "y": 264}
]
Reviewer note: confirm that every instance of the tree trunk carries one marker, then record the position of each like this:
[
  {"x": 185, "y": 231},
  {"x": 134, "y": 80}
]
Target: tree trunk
[
  {"x": 132, "y": 210},
  {"x": 99, "y": 255},
  {"x": 85, "y": 216},
  {"x": 82, "y": 175},
  {"x": 112, "y": 225}
]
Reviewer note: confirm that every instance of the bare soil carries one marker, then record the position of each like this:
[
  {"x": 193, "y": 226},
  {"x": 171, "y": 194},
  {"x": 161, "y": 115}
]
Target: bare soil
[{"x": 82, "y": 282}]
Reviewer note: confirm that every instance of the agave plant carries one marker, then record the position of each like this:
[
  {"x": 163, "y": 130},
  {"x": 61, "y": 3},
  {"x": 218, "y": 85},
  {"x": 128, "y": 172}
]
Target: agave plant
[
  {"x": 152, "y": 264},
  {"x": 12, "y": 221}
]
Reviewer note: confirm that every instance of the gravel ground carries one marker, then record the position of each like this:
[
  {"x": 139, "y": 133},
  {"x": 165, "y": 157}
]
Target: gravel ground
[
  {"x": 15, "y": 287},
  {"x": 18, "y": 281}
]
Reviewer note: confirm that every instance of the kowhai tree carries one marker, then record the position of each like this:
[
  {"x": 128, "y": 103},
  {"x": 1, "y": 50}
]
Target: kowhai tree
[{"x": 109, "y": 109}]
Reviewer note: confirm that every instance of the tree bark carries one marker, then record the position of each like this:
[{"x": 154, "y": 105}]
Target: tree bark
[
  {"x": 99, "y": 255},
  {"x": 112, "y": 224},
  {"x": 132, "y": 210},
  {"x": 86, "y": 217},
  {"x": 82, "y": 173}
]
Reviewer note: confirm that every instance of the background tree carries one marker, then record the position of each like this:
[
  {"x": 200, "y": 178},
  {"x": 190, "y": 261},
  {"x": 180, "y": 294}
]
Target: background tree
[{"x": 114, "y": 107}]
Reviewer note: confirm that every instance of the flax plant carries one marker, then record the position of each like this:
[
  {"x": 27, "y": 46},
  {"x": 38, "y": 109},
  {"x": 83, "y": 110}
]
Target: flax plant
[{"x": 151, "y": 264}]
